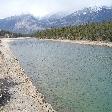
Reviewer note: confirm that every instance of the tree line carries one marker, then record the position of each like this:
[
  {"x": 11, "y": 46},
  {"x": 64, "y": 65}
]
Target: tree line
[
  {"x": 93, "y": 32},
  {"x": 8, "y": 34}
]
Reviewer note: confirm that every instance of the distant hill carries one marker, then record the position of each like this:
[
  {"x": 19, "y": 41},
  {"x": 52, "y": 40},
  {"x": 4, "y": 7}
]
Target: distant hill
[
  {"x": 20, "y": 24},
  {"x": 29, "y": 24},
  {"x": 93, "y": 32}
]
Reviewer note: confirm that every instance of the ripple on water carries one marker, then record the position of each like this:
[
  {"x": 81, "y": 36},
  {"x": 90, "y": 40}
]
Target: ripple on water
[{"x": 73, "y": 77}]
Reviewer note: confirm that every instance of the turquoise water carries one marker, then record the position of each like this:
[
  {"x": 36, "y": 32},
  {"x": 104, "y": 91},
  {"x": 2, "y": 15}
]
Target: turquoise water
[{"x": 72, "y": 77}]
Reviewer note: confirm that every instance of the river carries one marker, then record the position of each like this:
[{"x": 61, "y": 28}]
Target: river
[{"x": 72, "y": 77}]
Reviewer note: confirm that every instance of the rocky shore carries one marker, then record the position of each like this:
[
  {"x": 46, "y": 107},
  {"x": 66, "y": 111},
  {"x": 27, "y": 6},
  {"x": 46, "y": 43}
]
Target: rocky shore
[{"x": 17, "y": 93}]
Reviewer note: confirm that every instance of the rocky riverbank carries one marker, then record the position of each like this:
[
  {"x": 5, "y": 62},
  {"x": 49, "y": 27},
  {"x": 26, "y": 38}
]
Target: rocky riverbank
[
  {"x": 86, "y": 42},
  {"x": 17, "y": 93}
]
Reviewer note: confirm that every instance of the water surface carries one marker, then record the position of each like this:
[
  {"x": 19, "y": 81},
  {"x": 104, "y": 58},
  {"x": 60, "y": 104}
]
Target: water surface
[{"x": 72, "y": 77}]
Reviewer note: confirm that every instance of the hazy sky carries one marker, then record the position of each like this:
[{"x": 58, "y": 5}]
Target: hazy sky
[{"x": 43, "y": 7}]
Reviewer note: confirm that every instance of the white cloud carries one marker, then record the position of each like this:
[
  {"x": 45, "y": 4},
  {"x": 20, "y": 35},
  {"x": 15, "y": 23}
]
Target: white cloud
[{"x": 43, "y": 7}]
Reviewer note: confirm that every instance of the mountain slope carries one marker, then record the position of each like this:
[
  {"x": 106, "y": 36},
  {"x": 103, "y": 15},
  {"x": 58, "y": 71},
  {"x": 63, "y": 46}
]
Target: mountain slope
[
  {"x": 87, "y": 15},
  {"x": 20, "y": 24},
  {"x": 29, "y": 24}
]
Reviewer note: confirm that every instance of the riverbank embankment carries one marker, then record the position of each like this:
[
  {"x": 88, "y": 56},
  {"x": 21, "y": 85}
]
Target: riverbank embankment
[{"x": 17, "y": 93}]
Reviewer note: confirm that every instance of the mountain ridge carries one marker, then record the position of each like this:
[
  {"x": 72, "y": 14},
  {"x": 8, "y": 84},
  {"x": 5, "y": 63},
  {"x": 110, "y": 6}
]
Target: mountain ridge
[{"x": 27, "y": 23}]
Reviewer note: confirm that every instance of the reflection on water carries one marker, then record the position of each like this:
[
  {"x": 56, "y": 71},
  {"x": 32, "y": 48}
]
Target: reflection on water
[{"x": 73, "y": 77}]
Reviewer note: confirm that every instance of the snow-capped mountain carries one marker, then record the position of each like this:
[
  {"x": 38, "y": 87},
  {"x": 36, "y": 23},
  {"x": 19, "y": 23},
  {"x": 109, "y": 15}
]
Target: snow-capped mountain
[
  {"x": 87, "y": 15},
  {"x": 28, "y": 23}
]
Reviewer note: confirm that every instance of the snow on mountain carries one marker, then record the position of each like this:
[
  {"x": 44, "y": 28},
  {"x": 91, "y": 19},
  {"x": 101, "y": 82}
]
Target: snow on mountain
[
  {"x": 87, "y": 15},
  {"x": 28, "y": 23}
]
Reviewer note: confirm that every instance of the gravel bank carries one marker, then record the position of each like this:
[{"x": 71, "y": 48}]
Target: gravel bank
[
  {"x": 86, "y": 42},
  {"x": 17, "y": 94}
]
